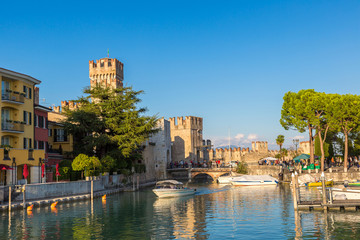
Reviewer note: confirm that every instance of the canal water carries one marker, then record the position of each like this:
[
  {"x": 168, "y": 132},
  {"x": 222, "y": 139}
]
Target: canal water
[{"x": 215, "y": 212}]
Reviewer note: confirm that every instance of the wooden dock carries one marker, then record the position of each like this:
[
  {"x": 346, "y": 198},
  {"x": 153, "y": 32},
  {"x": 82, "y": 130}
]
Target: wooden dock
[{"x": 325, "y": 204}]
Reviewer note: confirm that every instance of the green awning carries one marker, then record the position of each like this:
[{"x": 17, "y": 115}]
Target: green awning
[{"x": 302, "y": 156}]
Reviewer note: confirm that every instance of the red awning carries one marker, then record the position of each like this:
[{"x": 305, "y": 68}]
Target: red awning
[{"x": 4, "y": 167}]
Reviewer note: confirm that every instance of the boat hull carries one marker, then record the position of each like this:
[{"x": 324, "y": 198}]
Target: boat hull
[
  {"x": 225, "y": 180},
  {"x": 349, "y": 194},
  {"x": 319, "y": 184},
  {"x": 163, "y": 193},
  {"x": 253, "y": 183}
]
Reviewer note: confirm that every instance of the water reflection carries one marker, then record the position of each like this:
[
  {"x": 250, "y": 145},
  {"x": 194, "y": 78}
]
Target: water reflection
[{"x": 216, "y": 212}]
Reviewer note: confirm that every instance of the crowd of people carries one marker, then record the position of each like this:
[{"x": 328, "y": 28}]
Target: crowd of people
[{"x": 205, "y": 164}]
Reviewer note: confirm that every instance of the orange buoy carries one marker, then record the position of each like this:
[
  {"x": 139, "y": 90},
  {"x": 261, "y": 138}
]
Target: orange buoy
[
  {"x": 30, "y": 208},
  {"x": 103, "y": 197},
  {"x": 53, "y": 205}
]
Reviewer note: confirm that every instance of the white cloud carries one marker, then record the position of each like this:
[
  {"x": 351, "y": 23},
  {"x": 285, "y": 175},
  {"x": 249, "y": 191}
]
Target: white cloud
[
  {"x": 298, "y": 137},
  {"x": 239, "y": 136},
  {"x": 252, "y": 136},
  {"x": 240, "y": 140}
]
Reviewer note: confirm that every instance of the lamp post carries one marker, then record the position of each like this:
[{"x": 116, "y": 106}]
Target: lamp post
[{"x": 296, "y": 143}]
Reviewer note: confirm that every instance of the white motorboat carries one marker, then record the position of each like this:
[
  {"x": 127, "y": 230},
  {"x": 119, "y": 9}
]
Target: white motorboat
[
  {"x": 172, "y": 188},
  {"x": 227, "y": 179},
  {"x": 254, "y": 180},
  {"x": 345, "y": 194}
]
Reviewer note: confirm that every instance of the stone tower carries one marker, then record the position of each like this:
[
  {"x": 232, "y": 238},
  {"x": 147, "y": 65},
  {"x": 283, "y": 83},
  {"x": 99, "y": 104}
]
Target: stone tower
[
  {"x": 108, "y": 72},
  {"x": 186, "y": 138}
]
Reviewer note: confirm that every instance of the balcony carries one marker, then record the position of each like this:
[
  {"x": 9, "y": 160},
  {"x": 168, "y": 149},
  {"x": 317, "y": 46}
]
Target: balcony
[
  {"x": 12, "y": 126},
  {"x": 13, "y": 97}
]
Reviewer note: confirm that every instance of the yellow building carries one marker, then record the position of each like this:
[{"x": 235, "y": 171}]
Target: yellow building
[
  {"x": 58, "y": 138},
  {"x": 17, "y": 129}
]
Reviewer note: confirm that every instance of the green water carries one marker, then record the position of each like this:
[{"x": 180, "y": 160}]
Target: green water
[{"x": 216, "y": 212}]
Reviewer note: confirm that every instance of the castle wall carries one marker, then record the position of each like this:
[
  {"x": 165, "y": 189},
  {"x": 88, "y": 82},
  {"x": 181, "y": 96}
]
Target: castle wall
[{"x": 157, "y": 152}]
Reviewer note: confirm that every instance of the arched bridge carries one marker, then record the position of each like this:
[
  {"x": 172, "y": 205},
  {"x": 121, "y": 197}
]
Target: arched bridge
[{"x": 214, "y": 173}]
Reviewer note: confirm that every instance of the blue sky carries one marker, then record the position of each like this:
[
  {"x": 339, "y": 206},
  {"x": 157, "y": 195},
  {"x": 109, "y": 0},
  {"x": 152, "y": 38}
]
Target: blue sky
[{"x": 229, "y": 62}]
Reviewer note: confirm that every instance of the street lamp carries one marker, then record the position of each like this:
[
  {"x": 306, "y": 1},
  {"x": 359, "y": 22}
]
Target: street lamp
[{"x": 296, "y": 142}]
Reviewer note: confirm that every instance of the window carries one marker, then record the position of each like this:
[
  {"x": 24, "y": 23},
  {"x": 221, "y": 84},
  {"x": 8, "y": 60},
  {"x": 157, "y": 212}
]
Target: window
[
  {"x": 5, "y": 141},
  {"x": 35, "y": 120},
  {"x": 41, "y": 145},
  {"x": 35, "y": 144},
  {"x": 27, "y": 91},
  {"x": 50, "y": 132},
  {"x": 60, "y": 135},
  {"x": 25, "y": 117},
  {"x": 25, "y": 143},
  {"x": 46, "y": 123},
  {"x": 41, "y": 121}
]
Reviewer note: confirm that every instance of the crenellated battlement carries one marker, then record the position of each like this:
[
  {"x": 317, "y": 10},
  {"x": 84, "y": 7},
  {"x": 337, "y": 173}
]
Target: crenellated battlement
[
  {"x": 107, "y": 72},
  {"x": 71, "y": 105},
  {"x": 259, "y": 146},
  {"x": 189, "y": 122}
]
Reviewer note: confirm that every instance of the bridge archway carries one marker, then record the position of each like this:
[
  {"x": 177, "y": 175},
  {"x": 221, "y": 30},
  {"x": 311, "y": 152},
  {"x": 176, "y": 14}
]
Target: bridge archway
[
  {"x": 198, "y": 176},
  {"x": 214, "y": 174}
]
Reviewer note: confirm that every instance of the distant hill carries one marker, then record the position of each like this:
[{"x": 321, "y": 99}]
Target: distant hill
[{"x": 227, "y": 146}]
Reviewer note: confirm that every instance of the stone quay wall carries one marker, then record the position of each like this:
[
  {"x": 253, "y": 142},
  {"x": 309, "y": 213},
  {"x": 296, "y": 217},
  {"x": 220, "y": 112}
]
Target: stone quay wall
[{"x": 63, "y": 189}]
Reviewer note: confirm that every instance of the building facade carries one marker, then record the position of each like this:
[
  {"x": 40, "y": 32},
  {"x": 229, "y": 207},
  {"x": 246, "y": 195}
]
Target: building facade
[{"x": 17, "y": 129}]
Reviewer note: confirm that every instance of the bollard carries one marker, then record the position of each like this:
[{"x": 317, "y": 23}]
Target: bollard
[
  {"x": 294, "y": 191},
  {"x": 323, "y": 190},
  {"x": 9, "y": 199}
]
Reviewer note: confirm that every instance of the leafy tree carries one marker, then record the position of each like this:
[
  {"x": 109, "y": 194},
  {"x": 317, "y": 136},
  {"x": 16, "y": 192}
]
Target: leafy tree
[
  {"x": 108, "y": 120},
  {"x": 298, "y": 113},
  {"x": 242, "y": 168},
  {"x": 323, "y": 119},
  {"x": 283, "y": 152},
  {"x": 318, "y": 150},
  {"x": 83, "y": 162},
  {"x": 108, "y": 163},
  {"x": 346, "y": 118}
]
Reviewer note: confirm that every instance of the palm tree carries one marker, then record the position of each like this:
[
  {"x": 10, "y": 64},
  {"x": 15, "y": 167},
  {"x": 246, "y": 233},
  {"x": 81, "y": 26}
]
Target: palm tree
[{"x": 280, "y": 140}]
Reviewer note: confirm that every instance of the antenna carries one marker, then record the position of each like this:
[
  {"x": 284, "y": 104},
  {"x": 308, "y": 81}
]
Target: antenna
[{"x": 108, "y": 53}]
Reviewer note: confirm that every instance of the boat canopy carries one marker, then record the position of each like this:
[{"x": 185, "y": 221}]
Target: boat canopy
[
  {"x": 270, "y": 159},
  {"x": 255, "y": 178},
  {"x": 173, "y": 182}
]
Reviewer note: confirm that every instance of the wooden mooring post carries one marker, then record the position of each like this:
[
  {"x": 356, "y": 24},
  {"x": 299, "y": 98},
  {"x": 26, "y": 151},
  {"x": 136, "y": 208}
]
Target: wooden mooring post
[
  {"x": 294, "y": 190},
  {"x": 9, "y": 199},
  {"x": 24, "y": 196},
  {"x": 92, "y": 189},
  {"x": 324, "y": 199}
]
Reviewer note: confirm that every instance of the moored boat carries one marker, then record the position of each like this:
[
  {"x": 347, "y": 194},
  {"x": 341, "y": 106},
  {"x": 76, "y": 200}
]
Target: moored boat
[
  {"x": 172, "y": 188},
  {"x": 254, "y": 180},
  {"x": 329, "y": 183},
  {"x": 344, "y": 193}
]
